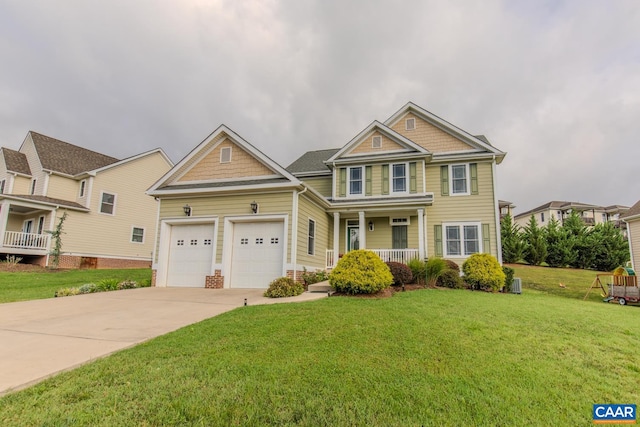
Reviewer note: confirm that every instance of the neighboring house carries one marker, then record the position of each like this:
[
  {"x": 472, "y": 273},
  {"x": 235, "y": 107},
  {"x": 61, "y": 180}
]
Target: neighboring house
[
  {"x": 591, "y": 214},
  {"x": 414, "y": 186},
  {"x": 506, "y": 208},
  {"x": 110, "y": 221},
  {"x": 632, "y": 219}
]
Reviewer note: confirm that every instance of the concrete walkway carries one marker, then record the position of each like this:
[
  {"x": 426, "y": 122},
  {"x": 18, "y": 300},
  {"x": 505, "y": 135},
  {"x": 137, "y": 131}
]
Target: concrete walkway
[{"x": 43, "y": 337}]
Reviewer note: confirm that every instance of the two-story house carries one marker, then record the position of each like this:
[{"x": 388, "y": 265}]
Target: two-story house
[
  {"x": 414, "y": 186},
  {"x": 109, "y": 222}
]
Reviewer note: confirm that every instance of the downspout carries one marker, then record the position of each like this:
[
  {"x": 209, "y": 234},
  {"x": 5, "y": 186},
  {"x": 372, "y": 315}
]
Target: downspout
[
  {"x": 496, "y": 212},
  {"x": 633, "y": 264}
]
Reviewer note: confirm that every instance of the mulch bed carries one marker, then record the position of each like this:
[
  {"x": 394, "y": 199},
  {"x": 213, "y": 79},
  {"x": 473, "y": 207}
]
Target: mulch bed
[
  {"x": 32, "y": 268},
  {"x": 385, "y": 293}
]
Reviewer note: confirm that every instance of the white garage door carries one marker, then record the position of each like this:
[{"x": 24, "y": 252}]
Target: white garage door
[
  {"x": 257, "y": 256},
  {"x": 190, "y": 255}
]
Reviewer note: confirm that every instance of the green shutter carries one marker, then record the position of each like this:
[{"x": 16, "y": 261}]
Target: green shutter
[
  {"x": 367, "y": 184},
  {"x": 486, "y": 240},
  {"x": 444, "y": 180},
  {"x": 343, "y": 182},
  {"x": 473, "y": 171},
  {"x": 385, "y": 179},
  {"x": 413, "y": 185},
  {"x": 437, "y": 233}
]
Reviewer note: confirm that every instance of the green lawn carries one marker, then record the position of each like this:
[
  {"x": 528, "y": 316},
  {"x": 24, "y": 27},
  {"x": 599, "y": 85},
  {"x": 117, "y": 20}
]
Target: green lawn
[
  {"x": 22, "y": 286},
  {"x": 427, "y": 357}
]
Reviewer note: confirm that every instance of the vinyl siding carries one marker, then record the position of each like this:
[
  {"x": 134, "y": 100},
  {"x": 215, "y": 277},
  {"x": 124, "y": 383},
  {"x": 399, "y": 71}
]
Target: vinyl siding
[
  {"x": 381, "y": 236},
  {"x": 377, "y": 179},
  {"x": 30, "y": 152},
  {"x": 62, "y": 188},
  {"x": 230, "y": 205},
  {"x": 366, "y": 146},
  {"x": 309, "y": 210},
  {"x": 21, "y": 185},
  {"x": 634, "y": 235},
  {"x": 428, "y": 136},
  {"x": 321, "y": 185}
]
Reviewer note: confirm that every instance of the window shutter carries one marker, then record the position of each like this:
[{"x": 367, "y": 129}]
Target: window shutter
[
  {"x": 413, "y": 186},
  {"x": 437, "y": 232},
  {"x": 343, "y": 182},
  {"x": 385, "y": 179},
  {"x": 486, "y": 240},
  {"x": 473, "y": 171},
  {"x": 444, "y": 180},
  {"x": 367, "y": 184}
]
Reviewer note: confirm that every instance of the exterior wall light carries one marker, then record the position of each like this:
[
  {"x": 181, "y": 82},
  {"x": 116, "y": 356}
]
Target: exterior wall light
[
  {"x": 370, "y": 225},
  {"x": 187, "y": 210},
  {"x": 254, "y": 207}
]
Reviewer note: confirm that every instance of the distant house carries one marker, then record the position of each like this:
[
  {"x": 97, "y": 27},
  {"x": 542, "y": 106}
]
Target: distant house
[
  {"x": 110, "y": 221},
  {"x": 560, "y": 210},
  {"x": 632, "y": 219},
  {"x": 506, "y": 208},
  {"x": 413, "y": 186}
]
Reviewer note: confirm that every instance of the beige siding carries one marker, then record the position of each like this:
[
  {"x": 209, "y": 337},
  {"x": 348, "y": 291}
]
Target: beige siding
[
  {"x": 30, "y": 152},
  {"x": 95, "y": 233},
  {"x": 309, "y": 210},
  {"x": 321, "y": 185},
  {"x": 366, "y": 145},
  {"x": 428, "y": 136},
  {"x": 242, "y": 165},
  {"x": 634, "y": 235},
  {"x": 474, "y": 208},
  {"x": 376, "y": 177},
  {"x": 62, "y": 188},
  {"x": 230, "y": 205},
  {"x": 21, "y": 185},
  {"x": 382, "y": 238}
]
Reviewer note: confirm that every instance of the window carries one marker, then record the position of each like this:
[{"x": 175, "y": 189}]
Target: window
[
  {"x": 225, "y": 155},
  {"x": 108, "y": 203},
  {"x": 355, "y": 180},
  {"x": 180, "y": 242},
  {"x": 137, "y": 235},
  {"x": 33, "y": 186},
  {"x": 311, "y": 244},
  {"x": 459, "y": 182},
  {"x": 462, "y": 239},
  {"x": 541, "y": 216},
  {"x": 2, "y": 183},
  {"x": 376, "y": 141},
  {"x": 399, "y": 178},
  {"x": 259, "y": 241},
  {"x": 399, "y": 221},
  {"x": 410, "y": 124},
  {"x": 83, "y": 186}
]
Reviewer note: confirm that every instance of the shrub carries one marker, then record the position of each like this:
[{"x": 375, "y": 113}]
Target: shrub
[
  {"x": 284, "y": 287},
  {"x": 434, "y": 268},
  {"x": 108, "y": 285},
  {"x": 128, "y": 284},
  {"x": 419, "y": 270},
  {"x": 67, "y": 292},
  {"x": 401, "y": 273},
  {"x": 88, "y": 288},
  {"x": 312, "y": 277},
  {"x": 451, "y": 279},
  {"x": 508, "y": 277},
  {"x": 482, "y": 271},
  {"x": 360, "y": 272},
  {"x": 452, "y": 265}
]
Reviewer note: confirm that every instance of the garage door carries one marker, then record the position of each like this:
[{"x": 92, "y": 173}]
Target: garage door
[
  {"x": 257, "y": 256},
  {"x": 190, "y": 255}
]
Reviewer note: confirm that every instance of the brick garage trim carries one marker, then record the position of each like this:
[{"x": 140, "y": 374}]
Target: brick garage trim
[{"x": 216, "y": 281}]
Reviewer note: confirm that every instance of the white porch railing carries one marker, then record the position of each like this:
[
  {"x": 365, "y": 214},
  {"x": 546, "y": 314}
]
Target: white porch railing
[
  {"x": 17, "y": 239},
  {"x": 387, "y": 255}
]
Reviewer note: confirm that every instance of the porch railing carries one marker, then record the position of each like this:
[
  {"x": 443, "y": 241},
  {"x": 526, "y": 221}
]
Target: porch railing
[
  {"x": 17, "y": 239},
  {"x": 387, "y": 255}
]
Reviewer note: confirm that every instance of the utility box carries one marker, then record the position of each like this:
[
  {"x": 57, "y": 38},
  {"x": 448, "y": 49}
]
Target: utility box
[{"x": 516, "y": 286}]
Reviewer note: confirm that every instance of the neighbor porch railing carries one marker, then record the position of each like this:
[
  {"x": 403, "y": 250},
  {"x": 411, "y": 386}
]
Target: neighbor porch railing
[
  {"x": 17, "y": 239},
  {"x": 387, "y": 255}
]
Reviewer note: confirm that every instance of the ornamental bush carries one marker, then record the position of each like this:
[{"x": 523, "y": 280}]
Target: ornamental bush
[
  {"x": 483, "y": 271},
  {"x": 360, "y": 272},
  {"x": 452, "y": 265},
  {"x": 450, "y": 279},
  {"x": 418, "y": 270},
  {"x": 401, "y": 273},
  {"x": 284, "y": 287},
  {"x": 311, "y": 277},
  {"x": 434, "y": 268}
]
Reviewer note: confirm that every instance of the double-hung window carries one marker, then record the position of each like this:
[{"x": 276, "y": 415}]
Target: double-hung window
[
  {"x": 2, "y": 184},
  {"x": 355, "y": 181},
  {"x": 137, "y": 235},
  {"x": 460, "y": 179},
  {"x": 108, "y": 203},
  {"x": 462, "y": 239},
  {"x": 399, "y": 178}
]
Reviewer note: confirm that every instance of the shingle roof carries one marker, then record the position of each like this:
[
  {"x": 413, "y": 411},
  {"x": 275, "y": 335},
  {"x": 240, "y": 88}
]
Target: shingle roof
[
  {"x": 559, "y": 205},
  {"x": 47, "y": 200},
  {"x": 60, "y": 156},
  {"x": 16, "y": 161},
  {"x": 312, "y": 161},
  {"x": 204, "y": 185},
  {"x": 633, "y": 211}
]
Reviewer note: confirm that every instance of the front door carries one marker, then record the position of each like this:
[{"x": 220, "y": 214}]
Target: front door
[
  {"x": 353, "y": 238},
  {"x": 399, "y": 237}
]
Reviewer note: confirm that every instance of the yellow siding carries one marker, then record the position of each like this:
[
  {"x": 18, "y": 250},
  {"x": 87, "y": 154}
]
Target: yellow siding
[
  {"x": 634, "y": 235},
  {"x": 382, "y": 238},
  {"x": 428, "y": 136},
  {"x": 376, "y": 179},
  {"x": 101, "y": 234},
  {"x": 242, "y": 165},
  {"x": 473, "y": 208},
  {"x": 62, "y": 188},
  {"x": 21, "y": 185},
  {"x": 309, "y": 210},
  {"x": 321, "y": 185},
  {"x": 366, "y": 145},
  {"x": 30, "y": 152},
  {"x": 230, "y": 205}
]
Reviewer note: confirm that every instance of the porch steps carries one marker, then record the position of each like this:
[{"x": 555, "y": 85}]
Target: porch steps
[{"x": 320, "y": 287}]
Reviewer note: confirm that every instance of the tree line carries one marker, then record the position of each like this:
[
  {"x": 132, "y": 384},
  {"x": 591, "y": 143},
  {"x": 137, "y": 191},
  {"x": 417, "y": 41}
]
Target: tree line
[{"x": 568, "y": 244}]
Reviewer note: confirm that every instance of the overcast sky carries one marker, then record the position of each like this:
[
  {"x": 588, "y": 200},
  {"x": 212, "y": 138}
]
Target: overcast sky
[{"x": 555, "y": 84}]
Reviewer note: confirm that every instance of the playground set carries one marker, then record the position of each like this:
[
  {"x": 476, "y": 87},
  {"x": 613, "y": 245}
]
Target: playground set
[{"x": 622, "y": 286}]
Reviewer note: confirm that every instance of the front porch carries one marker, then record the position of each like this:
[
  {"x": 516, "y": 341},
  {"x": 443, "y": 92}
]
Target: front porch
[{"x": 387, "y": 255}]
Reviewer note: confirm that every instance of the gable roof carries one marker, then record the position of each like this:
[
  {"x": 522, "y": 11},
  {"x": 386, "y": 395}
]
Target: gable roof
[
  {"x": 560, "y": 205},
  {"x": 15, "y": 161},
  {"x": 633, "y": 213},
  {"x": 49, "y": 201},
  {"x": 312, "y": 162},
  {"x": 65, "y": 158}
]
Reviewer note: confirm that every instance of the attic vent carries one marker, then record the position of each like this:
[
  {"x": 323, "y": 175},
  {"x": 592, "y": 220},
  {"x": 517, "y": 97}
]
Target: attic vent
[
  {"x": 225, "y": 155},
  {"x": 376, "y": 141},
  {"x": 410, "y": 124}
]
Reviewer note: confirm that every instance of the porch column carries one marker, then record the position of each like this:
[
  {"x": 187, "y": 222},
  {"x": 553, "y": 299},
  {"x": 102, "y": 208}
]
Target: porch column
[
  {"x": 362, "y": 229},
  {"x": 421, "y": 233},
  {"x": 4, "y": 218},
  {"x": 336, "y": 235}
]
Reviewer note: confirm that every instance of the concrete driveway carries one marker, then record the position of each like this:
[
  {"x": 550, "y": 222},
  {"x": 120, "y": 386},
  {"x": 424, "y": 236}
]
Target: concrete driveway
[{"x": 43, "y": 337}]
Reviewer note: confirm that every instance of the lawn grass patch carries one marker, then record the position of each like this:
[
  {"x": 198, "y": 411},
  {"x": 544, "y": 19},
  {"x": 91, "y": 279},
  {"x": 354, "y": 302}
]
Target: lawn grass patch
[
  {"x": 428, "y": 357},
  {"x": 26, "y": 285}
]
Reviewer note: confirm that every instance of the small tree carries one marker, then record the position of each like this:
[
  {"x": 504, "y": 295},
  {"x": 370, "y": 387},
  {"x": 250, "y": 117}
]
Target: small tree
[
  {"x": 56, "y": 235},
  {"x": 483, "y": 271},
  {"x": 512, "y": 244},
  {"x": 559, "y": 245},
  {"x": 536, "y": 251},
  {"x": 611, "y": 249},
  {"x": 360, "y": 272}
]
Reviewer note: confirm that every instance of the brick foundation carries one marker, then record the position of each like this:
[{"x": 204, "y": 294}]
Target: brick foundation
[
  {"x": 295, "y": 275},
  {"x": 77, "y": 262},
  {"x": 154, "y": 275},
  {"x": 214, "y": 282}
]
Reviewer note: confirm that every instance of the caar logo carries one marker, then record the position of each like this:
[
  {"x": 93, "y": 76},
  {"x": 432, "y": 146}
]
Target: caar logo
[{"x": 614, "y": 414}]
